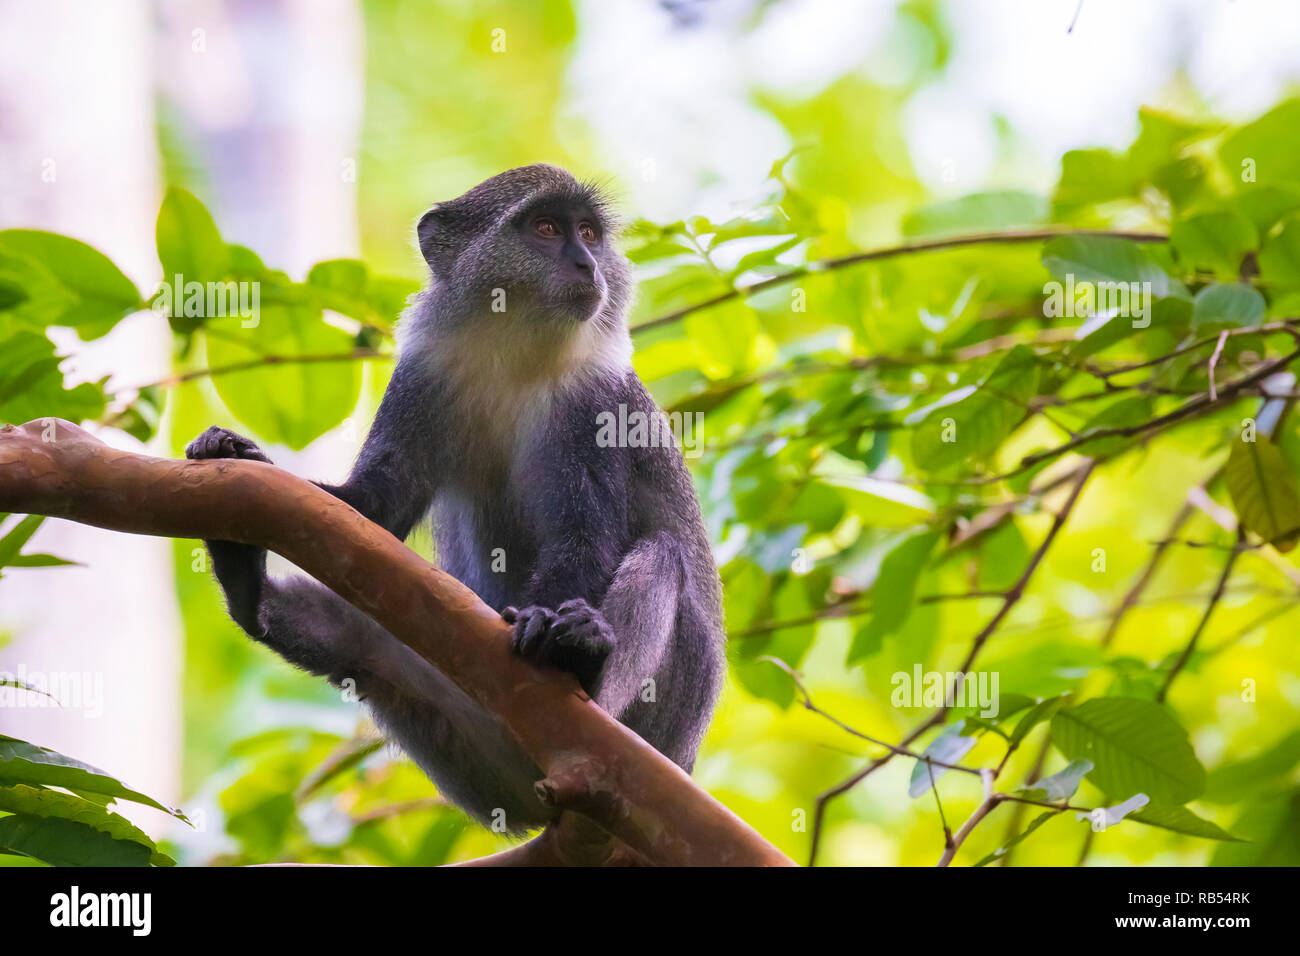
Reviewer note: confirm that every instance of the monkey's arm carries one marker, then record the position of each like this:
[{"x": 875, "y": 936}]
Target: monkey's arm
[
  {"x": 395, "y": 476},
  {"x": 392, "y": 484}
]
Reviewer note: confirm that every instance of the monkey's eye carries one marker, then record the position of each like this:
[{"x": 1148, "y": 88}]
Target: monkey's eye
[
  {"x": 586, "y": 232},
  {"x": 546, "y": 228}
]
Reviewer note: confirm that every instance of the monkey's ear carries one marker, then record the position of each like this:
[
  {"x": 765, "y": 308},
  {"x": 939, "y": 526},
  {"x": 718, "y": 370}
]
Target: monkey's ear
[{"x": 427, "y": 231}]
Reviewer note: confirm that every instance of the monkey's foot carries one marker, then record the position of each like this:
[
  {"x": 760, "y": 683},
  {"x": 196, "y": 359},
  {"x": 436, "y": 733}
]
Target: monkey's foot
[
  {"x": 223, "y": 443},
  {"x": 574, "y": 637}
]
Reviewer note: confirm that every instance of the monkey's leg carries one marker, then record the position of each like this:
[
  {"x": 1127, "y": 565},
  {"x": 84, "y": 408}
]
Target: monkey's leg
[
  {"x": 240, "y": 568},
  {"x": 464, "y": 749},
  {"x": 641, "y": 608},
  {"x": 663, "y": 673}
]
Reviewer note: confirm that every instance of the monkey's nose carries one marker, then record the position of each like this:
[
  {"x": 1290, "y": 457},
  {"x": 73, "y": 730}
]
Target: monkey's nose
[{"x": 581, "y": 264}]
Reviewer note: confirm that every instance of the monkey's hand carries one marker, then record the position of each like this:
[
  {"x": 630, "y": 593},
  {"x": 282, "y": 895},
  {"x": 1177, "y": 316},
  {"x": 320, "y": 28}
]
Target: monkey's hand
[
  {"x": 240, "y": 568},
  {"x": 223, "y": 443},
  {"x": 574, "y": 637}
]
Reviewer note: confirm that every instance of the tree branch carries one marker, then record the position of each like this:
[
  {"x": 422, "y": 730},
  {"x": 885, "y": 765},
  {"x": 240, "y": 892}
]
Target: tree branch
[
  {"x": 872, "y": 255},
  {"x": 593, "y": 764},
  {"x": 1009, "y": 599}
]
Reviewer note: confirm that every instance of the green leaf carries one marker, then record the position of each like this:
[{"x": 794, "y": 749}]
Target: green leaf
[
  {"x": 41, "y": 561},
  {"x": 724, "y": 338},
  {"x": 23, "y": 685},
  {"x": 21, "y": 762},
  {"x": 1043, "y": 710},
  {"x": 61, "y": 842},
  {"x": 1181, "y": 820},
  {"x": 37, "y": 298},
  {"x": 979, "y": 212},
  {"x": 291, "y": 403},
  {"x": 1217, "y": 240},
  {"x": 1279, "y": 258},
  {"x": 1227, "y": 305},
  {"x": 1233, "y": 782},
  {"x": 1135, "y": 745},
  {"x": 893, "y": 593},
  {"x": 1161, "y": 137},
  {"x": 12, "y": 543},
  {"x": 1269, "y": 148},
  {"x": 792, "y": 597},
  {"x": 1090, "y": 176},
  {"x": 40, "y": 802},
  {"x": 1122, "y": 413},
  {"x": 1264, "y": 206},
  {"x": 879, "y": 503},
  {"x": 1034, "y": 824},
  {"x": 971, "y": 422},
  {"x": 1272, "y": 825},
  {"x": 1106, "y": 259},
  {"x": 345, "y": 286},
  {"x": 31, "y": 385},
  {"x": 1263, "y": 492},
  {"x": 102, "y": 294},
  {"x": 189, "y": 244},
  {"x": 12, "y": 295}
]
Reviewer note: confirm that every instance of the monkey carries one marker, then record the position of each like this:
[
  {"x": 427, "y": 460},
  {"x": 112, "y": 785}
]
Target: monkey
[{"x": 596, "y": 556}]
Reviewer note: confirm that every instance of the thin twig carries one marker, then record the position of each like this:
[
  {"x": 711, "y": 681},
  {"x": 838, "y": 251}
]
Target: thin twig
[
  {"x": 1186, "y": 654},
  {"x": 171, "y": 381},
  {"x": 1214, "y": 361},
  {"x": 892, "y": 748}
]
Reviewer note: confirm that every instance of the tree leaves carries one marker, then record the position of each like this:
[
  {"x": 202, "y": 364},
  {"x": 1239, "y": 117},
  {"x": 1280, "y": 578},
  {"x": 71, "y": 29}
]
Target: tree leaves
[
  {"x": 69, "y": 829},
  {"x": 56, "y": 843},
  {"x": 1263, "y": 491},
  {"x": 189, "y": 244},
  {"x": 1181, "y": 820},
  {"x": 1106, "y": 259},
  {"x": 292, "y": 403},
  {"x": 893, "y": 593},
  {"x": 61, "y": 842},
  {"x": 99, "y": 295},
  {"x": 1043, "y": 710},
  {"x": 31, "y": 384},
  {"x": 1001, "y": 851},
  {"x": 969, "y": 423},
  {"x": 1217, "y": 240},
  {"x": 1266, "y": 151},
  {"x": 977, "y": 212},
  {"x": 21, "y": 762},
  {"x": 1135, "y": 745},
  {"x": 1227, "y": 306}
]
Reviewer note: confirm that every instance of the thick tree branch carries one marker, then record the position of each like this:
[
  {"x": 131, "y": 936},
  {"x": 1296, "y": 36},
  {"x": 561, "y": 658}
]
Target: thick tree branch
[{"x": 593, "y": 764}]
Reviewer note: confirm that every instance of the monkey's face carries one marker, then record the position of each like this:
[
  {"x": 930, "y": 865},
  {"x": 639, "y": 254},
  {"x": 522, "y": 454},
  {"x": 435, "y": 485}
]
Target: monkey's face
[
  {"x": 530, "y": 245},
  {"x": 566, "y": 247}
]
